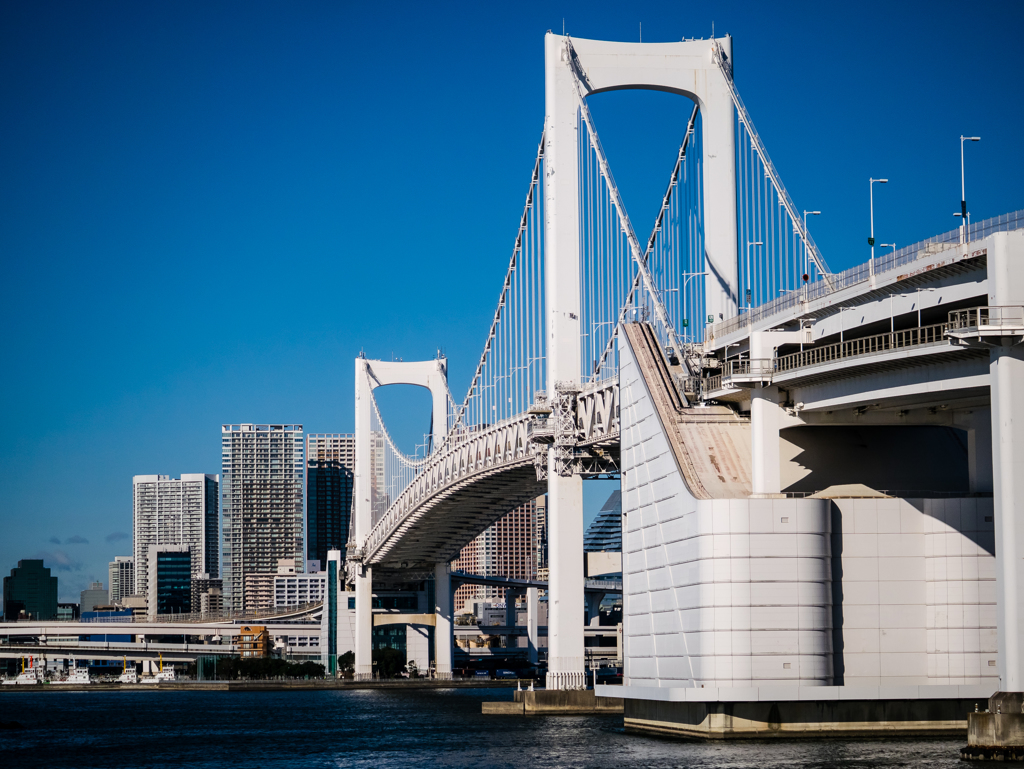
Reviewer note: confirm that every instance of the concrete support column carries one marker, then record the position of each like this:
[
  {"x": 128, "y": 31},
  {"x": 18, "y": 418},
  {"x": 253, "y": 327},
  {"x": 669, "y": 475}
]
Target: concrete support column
[
  {"x": 1006, "y": 371},
  {"x": 532, "y": 632},
  {"x": 979, "y": 451},
  {"x": 594, "y": 608},
  {"x": 765, "y": 418},
  {"x": 510, "y": 606},
  {"x": 364, "y": 624},
  {"x": 442, "y": 622},
  {"x": 565, "y": 581}
]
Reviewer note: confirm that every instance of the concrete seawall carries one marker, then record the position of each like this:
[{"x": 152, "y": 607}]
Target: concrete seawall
[
  {"x": 554, "y": 703},
  {"x": 259, "y": 686},
  {"x": 799, "y": 719}
]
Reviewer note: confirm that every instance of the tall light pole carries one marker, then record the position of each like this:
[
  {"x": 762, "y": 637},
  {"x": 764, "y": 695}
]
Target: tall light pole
[
  {"x": 734, "y": 344},
  {"x": 841, "y": 311},
  {"x": 893, "y": 247},
  {"x": 686, "y": 276},
  {"x": 871, "y": 240},
  {"x": 750, "y": 244},
  {"x": 965, "y": 222},
  {"x": 812, "y": 213},
  {"x": 919, "y": 290}
]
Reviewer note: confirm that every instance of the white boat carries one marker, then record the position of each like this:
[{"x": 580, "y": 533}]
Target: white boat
[
  {"x": 29, "y": 675},
  {"x": 159, "y": 677},
  {"x": 76, "y": 675},
  {"x": 128, "y": 674}
]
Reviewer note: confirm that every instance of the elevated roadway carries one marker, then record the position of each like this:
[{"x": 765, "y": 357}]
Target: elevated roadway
[{"x": 113, "y": 650}]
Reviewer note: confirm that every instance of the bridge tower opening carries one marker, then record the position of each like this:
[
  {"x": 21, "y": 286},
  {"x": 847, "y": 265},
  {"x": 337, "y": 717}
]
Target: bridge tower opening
[{"x": 368, "y": 494}]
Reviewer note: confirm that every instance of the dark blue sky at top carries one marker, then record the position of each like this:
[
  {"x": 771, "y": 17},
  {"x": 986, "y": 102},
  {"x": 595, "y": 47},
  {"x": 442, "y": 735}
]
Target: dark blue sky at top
[{"x": 207, "y": 210}]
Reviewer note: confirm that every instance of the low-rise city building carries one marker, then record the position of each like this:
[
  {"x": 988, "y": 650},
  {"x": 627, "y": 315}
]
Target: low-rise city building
[
  {"x": 95, "y": 595},
  {"x": 207, "y": 595},
  {"x": 254, "y": 641}
]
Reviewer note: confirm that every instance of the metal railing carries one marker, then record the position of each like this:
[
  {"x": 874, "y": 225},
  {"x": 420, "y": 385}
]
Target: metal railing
[
  {"x": 757, "y": 368},
  {"x": 861, "y": 272},
  {"x": 936, "y": 334},
  {"x": 221, "y": 616},
  {"x": 977, "y": 317},
  {"x": 868, "y": 345}
]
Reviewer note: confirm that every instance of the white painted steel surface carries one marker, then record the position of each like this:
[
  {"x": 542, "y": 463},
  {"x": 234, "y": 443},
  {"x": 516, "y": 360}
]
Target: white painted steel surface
[
  {"x": 716, "y": 592},
  {"x": 562, "y": 295},
  {"x": 1006, "y": 288}
]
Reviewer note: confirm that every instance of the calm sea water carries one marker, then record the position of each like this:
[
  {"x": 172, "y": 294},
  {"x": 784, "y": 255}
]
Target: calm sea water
[{"x": 381, "y": 729}]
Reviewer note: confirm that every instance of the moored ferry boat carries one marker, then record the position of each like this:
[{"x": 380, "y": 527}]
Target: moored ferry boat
[
  {"x": 29, "y": 675},
  {"x": 157, "y": 677},
  {"x": 128, "y": 674},
  {"x": 76, "y": 675}
]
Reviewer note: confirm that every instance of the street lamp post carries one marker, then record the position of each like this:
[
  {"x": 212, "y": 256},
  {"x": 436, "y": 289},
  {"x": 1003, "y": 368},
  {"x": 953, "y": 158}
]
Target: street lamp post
[
  {"x": 734, "y": 344},
  {"x": 686, "y": 276},
  {"x": 812, "y": 213},
  {"x": 750, "y": 245},
  {"x": 893, "y": 247},
  {"x": 965, "y": 222},
  {"x": 841, "y": 310},
  {"x": 919, "y": 303},
  {"x": 871, "y": 240}
]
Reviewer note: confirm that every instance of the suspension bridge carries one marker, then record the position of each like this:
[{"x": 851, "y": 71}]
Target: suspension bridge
[{"x": 712, "y": 367}]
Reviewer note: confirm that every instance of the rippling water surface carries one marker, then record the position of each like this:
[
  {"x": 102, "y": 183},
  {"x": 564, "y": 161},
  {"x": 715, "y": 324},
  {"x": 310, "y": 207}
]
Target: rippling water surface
[{"x": 416, "y": 728}]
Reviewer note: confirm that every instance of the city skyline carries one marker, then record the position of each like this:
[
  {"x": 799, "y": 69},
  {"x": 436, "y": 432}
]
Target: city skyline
[{"x": 167, "y": 171}]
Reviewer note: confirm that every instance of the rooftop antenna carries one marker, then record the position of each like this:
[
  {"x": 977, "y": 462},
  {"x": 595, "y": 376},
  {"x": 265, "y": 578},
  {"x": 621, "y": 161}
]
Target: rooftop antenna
[
  {"x": 712, "y": 30},
  {"x": 563, "y": 27},
  {"x": 641, "y": 31}
]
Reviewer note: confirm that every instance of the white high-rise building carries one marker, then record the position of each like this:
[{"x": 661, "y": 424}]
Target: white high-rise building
[
  {"x": 122, "y": 578},
  {"x": 175, "y": 511},
  {"x": 262, "y": 502}
]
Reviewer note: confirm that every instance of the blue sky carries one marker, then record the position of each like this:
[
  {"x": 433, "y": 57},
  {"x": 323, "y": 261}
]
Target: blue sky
[{"x": 208, "y": 210}]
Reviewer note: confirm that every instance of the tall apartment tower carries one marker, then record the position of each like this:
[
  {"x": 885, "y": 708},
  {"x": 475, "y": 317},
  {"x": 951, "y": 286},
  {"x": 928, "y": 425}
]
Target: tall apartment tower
[
  {"x": 261, "y": 502},
  {"x": 122, "y": 577},
  {"x": 507, "y": 548},
  {"x": 175, "y": 511},
  {"x": 330, "y": 460}
]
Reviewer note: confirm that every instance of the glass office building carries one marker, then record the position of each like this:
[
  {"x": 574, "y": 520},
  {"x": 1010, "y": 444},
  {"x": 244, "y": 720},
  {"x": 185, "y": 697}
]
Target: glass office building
[
  {"x": 170, "y": 579},
  {"x": 330, "y": 464}
]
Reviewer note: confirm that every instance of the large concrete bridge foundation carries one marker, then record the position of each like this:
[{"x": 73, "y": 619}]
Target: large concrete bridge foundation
[{"x": 442, "y": 622}]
